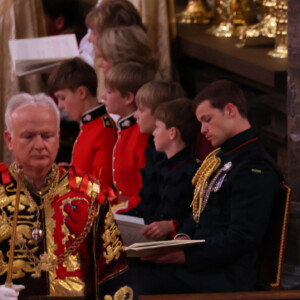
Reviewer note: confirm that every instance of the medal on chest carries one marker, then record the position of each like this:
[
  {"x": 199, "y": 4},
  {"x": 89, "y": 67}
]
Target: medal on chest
[
  {"x": 220, "y": 179},
  {"x": 217, "y": 181}
]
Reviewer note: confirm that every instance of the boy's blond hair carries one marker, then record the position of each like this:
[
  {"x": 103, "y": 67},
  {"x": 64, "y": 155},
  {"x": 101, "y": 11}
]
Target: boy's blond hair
[
  {"x": 152, "y": 93},
  {"x": 127, "y": 77}
]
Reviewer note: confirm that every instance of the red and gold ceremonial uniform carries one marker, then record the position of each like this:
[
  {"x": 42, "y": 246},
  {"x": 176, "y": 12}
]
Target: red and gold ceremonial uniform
[
  {"x": 80, "y": 255},
  {"x": 92, "y": 151},
  {"x": 128, "y": 160}
]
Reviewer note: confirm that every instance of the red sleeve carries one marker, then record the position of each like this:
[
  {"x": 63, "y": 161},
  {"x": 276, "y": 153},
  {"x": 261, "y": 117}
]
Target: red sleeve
[
  {"x": 102, "y": 164},
  {"x": 141, "y": 158}
]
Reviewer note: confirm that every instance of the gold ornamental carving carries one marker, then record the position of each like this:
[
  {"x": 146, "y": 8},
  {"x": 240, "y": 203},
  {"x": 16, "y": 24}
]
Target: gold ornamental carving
[
  {"x": 223, "y": 15},
  {"x": 124, "y": 293},
  {"x": 231, "y": 16},
  {"x": 266, "y": 27},
  {"x": 194, "y": 13},
  {"x": 281, "y": 50}
]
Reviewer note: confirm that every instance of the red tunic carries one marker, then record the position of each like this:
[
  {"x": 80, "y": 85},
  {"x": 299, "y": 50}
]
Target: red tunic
[
  {"x": 128, "y": 159},
  {"x": 81, "y": 253},
  {"x": 92, "y": 151}
]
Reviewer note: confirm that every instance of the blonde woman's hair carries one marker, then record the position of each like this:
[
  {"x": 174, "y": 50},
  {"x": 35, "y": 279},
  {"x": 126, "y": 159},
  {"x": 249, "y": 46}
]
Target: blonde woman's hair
[
  {"x": 125, "y": 44},
  {"x": 113, "y": 13}
]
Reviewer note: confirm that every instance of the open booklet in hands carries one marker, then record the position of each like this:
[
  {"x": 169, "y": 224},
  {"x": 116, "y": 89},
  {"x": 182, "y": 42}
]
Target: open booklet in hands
[
  {"x": 136, "y": 245},
  {"x": 36, "y": 55},
  {"x": 152, "y": 248},
  {"x": 131, "y": 229}
]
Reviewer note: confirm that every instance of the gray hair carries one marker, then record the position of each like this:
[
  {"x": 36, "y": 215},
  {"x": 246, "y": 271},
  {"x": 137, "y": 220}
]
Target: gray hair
[{"x": 24, "y": 99}]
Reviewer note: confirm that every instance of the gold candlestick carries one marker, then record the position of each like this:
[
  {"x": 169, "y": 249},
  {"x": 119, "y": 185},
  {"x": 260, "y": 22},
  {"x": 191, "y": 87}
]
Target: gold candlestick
[
  {"x": 244, "y": 14},
  {"x": 222, "y": 26},
  {"x": 266, "y": 27},
  {"x": 280, "y": 49},
  {"x": 195, "y": 13},
  {"x": 8, "y": 282}
]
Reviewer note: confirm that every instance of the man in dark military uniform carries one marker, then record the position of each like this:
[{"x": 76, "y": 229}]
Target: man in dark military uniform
[
  {"x": 235, "y": 189},
  {"x": 67, "y": 243}
]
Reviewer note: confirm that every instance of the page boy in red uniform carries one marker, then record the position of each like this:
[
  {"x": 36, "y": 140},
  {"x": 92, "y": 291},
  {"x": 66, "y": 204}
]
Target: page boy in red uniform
[
  {"x": 74, "y": 84},
  {"x": 122, "y": 81}
]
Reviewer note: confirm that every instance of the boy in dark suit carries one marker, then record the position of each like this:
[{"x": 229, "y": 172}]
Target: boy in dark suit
[
  {"x": 148, "y": 97},
  {"x": 176, "y": 128}
]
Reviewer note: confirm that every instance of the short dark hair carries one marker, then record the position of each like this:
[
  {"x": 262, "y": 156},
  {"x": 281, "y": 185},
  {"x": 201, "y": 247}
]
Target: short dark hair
[
  {"x": 70, "y": 11},
  {"x": 72, "y": 74},
  {"x": 152, "y": 93},
  {"x": 62, "y": 8},
  {"x": 179, "y": 113},
  {"x": 221, "y": 92},
  {"x": 128, "y": 77},
  {"x": 113, "y": 13}
]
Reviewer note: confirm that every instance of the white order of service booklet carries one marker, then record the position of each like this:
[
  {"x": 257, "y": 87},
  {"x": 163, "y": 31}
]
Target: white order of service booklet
[
  {"x": 36, "y": 55},
  {"x": 131, "y": 229},
  {"x": 155, "y": 248},
  {"x": 136, "y": 245}
]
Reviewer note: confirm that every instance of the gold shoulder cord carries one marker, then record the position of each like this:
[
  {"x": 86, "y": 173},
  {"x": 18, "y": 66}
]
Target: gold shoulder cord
[
  {"x": 209, "y": 165},
  {"x": 123, "y": 293}
]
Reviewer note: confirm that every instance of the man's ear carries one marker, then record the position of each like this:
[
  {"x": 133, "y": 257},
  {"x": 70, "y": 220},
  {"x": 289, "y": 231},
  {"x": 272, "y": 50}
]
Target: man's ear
[
  {"x": 173, "y": 132},
  {"x": 129, "y": 98},
  {"x": 231, "y": 110},
  {"x": 59, "y": 23},
  {"x": 82, "y": 91},
  {"x": 8, "y": 138}
]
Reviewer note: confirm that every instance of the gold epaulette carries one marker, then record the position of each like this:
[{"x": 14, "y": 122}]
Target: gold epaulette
[
  {"x": 107, "y": 122},
  {"x": 209, "y": 165}
]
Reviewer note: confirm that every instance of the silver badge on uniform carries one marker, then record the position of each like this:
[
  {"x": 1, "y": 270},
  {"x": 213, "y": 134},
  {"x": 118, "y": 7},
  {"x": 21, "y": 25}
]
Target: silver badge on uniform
[{"x": 220, "y": 180}]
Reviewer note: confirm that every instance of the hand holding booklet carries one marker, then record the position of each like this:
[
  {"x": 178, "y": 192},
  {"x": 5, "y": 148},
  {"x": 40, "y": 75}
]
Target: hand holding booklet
[
  {"x": 131, "y": 229},
  {"x": 136, "y": 245},
  {"x": 35, "y": 55},
  {"x": 153, "y": 248}
]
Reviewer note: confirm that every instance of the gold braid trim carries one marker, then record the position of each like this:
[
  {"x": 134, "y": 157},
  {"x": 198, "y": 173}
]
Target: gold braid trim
[
  {"x": 124, "y": 293},
  {"x": 209, "y": 165}
]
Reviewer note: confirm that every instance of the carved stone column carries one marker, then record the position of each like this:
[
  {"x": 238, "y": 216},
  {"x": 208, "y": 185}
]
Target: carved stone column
[{"x": 291, "y": 276}]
